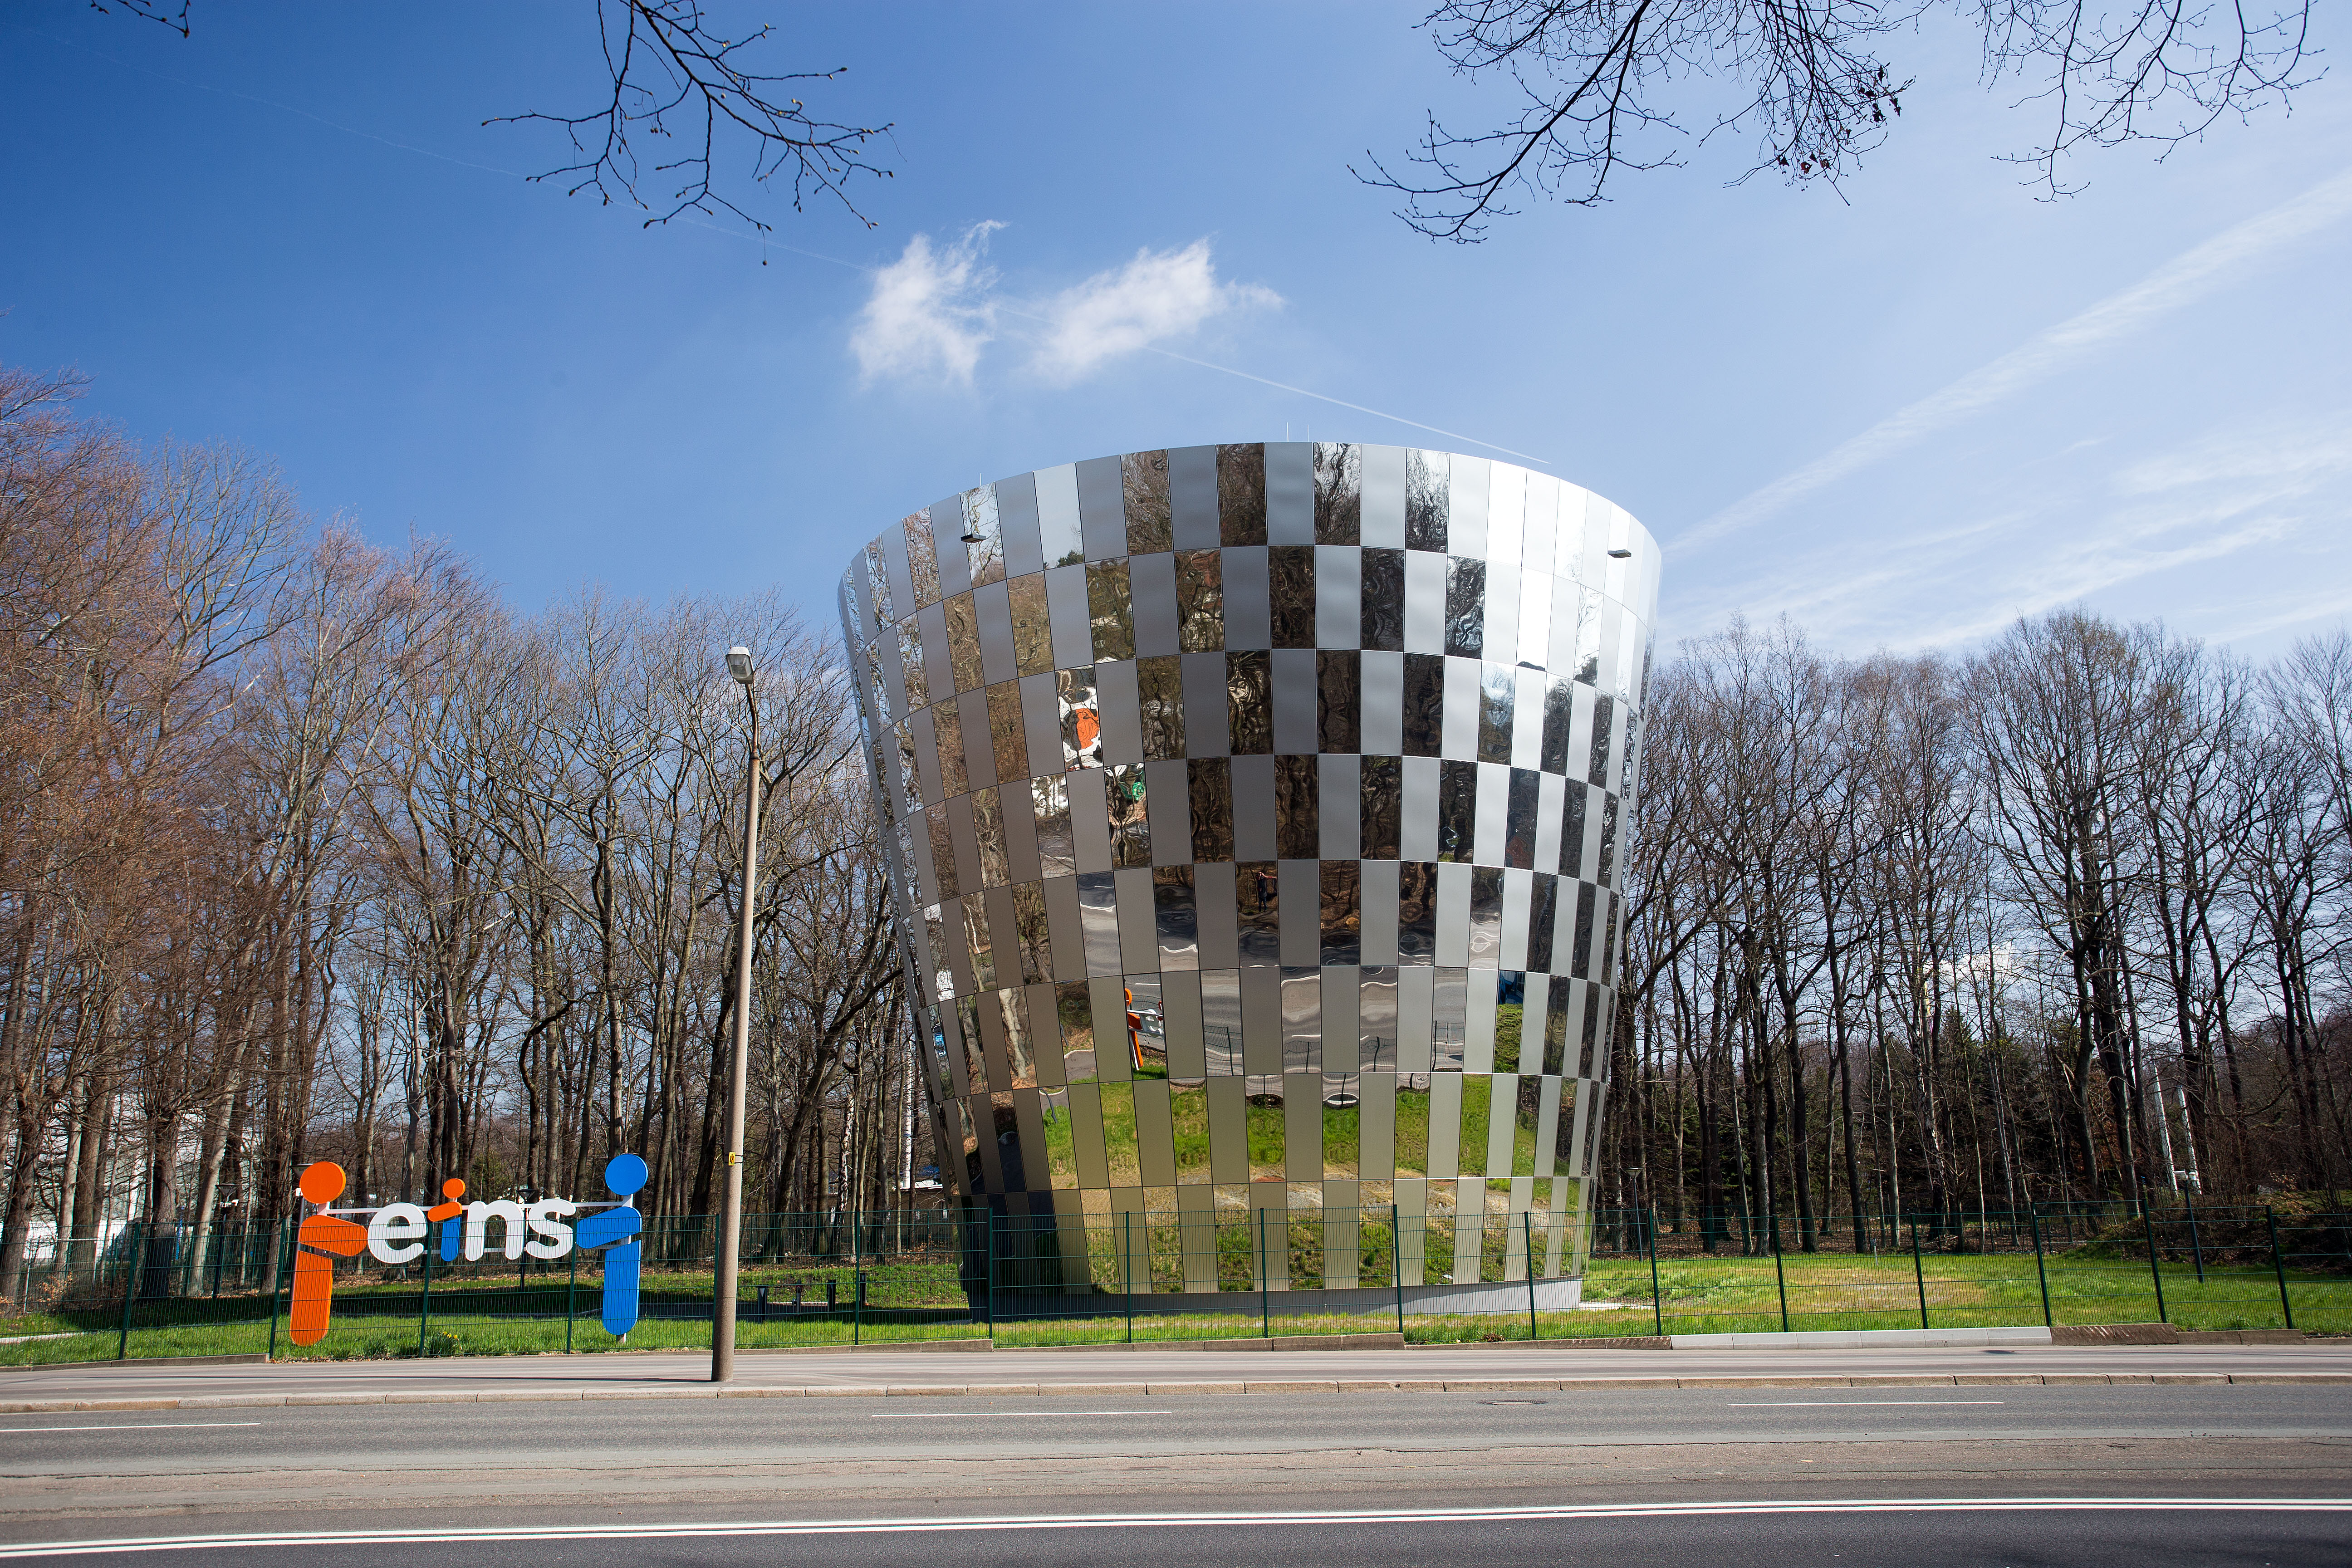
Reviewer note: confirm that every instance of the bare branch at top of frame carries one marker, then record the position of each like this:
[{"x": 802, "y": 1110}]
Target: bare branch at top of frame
[
  {"x": 675, "y": 77},
  {"x": 173, "y": 14},
  {"x": 1599, "y": 86}
]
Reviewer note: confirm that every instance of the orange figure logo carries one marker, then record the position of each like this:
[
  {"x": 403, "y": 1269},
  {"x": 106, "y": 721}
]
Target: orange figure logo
[{"x": 314, "y": 1272}]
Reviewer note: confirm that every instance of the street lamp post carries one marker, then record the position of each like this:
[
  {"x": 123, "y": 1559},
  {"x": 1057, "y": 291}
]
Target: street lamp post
[{"x": 731, "y": 1233}]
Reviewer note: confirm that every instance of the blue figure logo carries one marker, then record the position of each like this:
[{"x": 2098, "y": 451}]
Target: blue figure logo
[
  {"x": 619, "y": 1225},
  {"x": 451, "y": 1212}
]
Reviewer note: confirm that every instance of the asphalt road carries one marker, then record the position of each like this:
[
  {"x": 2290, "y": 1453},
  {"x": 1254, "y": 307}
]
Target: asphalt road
[
  {"x": 626, "y": 1466},
  {"x": 1913, "y": 1535},
  {"x": 1620, "y": 1471}
]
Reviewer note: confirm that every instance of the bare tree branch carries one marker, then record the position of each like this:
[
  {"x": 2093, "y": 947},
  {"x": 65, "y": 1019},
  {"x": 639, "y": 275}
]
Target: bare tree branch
[
  {"x": 674, "y": 75},
  {"x": 173, "y": 15},
  {"x": 1594, "y": 78}
]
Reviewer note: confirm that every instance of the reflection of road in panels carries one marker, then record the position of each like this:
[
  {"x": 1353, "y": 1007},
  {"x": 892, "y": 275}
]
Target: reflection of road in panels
[{"x": 1254, "y": 816}]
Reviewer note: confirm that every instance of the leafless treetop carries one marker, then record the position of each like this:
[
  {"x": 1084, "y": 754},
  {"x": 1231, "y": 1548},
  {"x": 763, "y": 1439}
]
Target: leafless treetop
[
  {"x": 674, "y": 75},
  {"x": 1595, "y": 84}
]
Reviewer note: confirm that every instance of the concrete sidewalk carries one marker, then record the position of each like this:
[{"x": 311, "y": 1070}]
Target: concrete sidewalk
[{"x": 1149, "y": 1370}]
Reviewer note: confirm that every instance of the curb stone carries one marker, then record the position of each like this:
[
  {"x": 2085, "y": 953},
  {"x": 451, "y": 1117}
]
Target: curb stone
[{"x": 254, "y": 1360}]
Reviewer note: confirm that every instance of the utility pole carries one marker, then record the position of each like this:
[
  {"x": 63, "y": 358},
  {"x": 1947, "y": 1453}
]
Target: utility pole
[{"x": 731, "y": 1234}]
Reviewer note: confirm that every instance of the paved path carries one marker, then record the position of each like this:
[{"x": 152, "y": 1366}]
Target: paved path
[{"x": 1141, "y": 1369}]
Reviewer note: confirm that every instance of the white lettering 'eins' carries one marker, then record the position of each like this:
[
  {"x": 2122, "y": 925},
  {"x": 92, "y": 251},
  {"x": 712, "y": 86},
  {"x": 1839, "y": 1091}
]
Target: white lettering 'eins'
[{"x": 396, "y": 1232}]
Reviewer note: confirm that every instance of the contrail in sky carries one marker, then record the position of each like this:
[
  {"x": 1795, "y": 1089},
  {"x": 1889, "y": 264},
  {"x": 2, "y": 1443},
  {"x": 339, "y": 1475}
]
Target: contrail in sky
[{"x": 2177, "y": 283}]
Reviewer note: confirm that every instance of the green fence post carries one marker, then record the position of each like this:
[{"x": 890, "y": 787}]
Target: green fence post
[
  {"x": 857, "y": 1302},
  {"x": 2278, "y": 1264},
  {"x": 1264, "y": 1307},
  {"x": 425, "y": 1302},
  {"x": 1126, "y": 1268},
  {"x": 2196, "y": 1242},
  {"x": 2041, "y": 1270},
  {"x": 132, "y": 1262},
  {"x": 1919, "y": 1272},
  {"x": 1781, "y": 1278},
  {"x": 1528, "y": 1230},
  {"x": 1657, "y": 1301},
  {"x": 990, "y": 1222},
  {"x": 278, "y": 1293},
  {"x": 2155, "y": 1272},
  {"x": 570, "y": 1298},
  {"x": 1396, "y": 1261}
]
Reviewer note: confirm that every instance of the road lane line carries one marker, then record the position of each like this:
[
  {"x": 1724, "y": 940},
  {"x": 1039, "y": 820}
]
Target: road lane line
[
  {"x": 131, "y": 1426},
  {"x": 1003, "y": 1415},
  {"x": 251, "y": 1542},
  {"x": 1847, "y": 1403}
]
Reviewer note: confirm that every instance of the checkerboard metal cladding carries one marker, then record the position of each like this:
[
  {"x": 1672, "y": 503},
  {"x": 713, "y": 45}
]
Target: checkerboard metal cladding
[{"x": 1256, "y": 817}]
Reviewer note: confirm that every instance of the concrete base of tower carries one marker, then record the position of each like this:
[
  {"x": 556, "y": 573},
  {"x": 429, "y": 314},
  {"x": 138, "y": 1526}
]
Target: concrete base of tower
[{"x": 1367, "y": 1301}]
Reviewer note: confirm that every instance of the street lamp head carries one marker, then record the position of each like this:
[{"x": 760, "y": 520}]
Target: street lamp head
[{"x": 738, "y": 664}]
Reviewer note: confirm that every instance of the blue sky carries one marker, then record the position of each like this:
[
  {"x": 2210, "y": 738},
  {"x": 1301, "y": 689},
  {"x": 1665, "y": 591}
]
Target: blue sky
[{"x": 1904, "y": 416}]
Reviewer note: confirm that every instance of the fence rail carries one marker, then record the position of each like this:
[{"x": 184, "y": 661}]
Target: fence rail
[{"x": 848, "y": 1276}]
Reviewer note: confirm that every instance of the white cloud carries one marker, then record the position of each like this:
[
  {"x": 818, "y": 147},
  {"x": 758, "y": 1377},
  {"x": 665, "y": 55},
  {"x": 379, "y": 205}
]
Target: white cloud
[
  {"x": 930, "y": 313},
  {"x": 1157, "y": 296}
]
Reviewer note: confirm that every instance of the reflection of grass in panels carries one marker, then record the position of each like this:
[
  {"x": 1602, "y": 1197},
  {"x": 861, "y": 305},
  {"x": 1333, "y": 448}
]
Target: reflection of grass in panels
[
  {"x": 1509, "y": 1018},
  {"x": 1119, "y": 1134},
  {"x": 1189, "y": 1114},
  {"x": 1343, "y": 1128},
  {"x": 1306, "y": 1246},
  {"x": 1437, "y": 1249},
  {"x": 1477, "y": 1092},
  {"x": 1061, "y": 1145},
  {"x": 1103, "y": 1265},
  {"x": 1237, "y": 1254},
  {"x": 1477, "y": 1117},
  {"x": 1411, "y": 1132},
  {"x": 1500, "y": 1238},
  {"x": 1167, "y": 1242},
  {"x": 1265, "y": 1139}
]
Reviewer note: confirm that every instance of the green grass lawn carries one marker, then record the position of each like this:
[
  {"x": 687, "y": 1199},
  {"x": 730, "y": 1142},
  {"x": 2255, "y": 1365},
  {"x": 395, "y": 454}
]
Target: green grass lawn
[{"x": 1843, "y": 1291}]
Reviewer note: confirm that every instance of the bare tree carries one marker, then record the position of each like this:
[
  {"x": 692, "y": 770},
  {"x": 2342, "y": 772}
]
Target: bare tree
[
  {"x": 676, "y": 76},
  {"x": 1599, "y": 86}
]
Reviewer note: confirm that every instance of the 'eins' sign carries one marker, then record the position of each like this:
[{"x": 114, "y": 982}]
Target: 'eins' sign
[{"x": 395, "y": 1234}]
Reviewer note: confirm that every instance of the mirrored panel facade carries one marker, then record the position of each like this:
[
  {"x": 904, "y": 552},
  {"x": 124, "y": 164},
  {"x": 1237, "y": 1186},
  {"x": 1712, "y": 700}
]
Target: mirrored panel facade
[{"x": 1254, "y": 816}]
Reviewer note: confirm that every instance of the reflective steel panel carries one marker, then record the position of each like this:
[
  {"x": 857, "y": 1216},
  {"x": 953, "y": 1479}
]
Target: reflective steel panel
[{"x": 1261, "y": 813}]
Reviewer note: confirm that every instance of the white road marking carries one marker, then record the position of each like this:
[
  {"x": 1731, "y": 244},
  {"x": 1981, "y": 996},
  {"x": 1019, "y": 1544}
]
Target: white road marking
[
  {"x": 1004, "y": 1415},
  {"x": 1849, "y": 1404},
  {"x": 1166, "y": 1521},
  {"x": 130, "y": 1426}
]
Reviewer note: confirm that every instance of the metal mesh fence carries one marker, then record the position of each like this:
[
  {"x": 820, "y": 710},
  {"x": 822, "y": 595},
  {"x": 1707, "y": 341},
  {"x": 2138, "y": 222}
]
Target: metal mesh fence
[
  {"x": 845, "y": 1278},
  {"x": 2191, "y": 1265}
]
